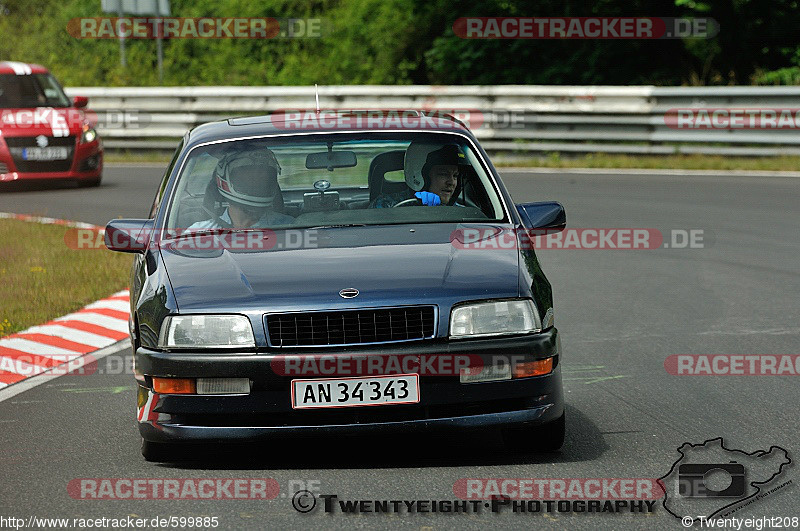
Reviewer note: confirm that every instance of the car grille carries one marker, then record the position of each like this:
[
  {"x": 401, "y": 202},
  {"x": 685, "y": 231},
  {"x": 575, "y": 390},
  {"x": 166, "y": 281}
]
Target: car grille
[
  {"x": 17, "y": 143},
  {"x": 30, "y": 141},
  {"x": 351, "y": 327},
  {"x": 3, "y": 167}
]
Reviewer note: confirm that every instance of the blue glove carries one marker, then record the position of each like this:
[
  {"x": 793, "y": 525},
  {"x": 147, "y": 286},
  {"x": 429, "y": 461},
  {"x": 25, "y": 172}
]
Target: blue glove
[{"x": 428, "y": 198}]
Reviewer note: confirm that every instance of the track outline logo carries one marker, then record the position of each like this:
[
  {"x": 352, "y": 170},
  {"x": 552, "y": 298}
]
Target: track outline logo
[{"x": 755, "y": 484}]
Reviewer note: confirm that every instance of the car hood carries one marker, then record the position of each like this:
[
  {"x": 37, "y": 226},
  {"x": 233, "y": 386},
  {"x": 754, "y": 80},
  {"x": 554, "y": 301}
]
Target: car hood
[
  {"x": 48, "y": 121},
  {"x": 413, "y": 264}
]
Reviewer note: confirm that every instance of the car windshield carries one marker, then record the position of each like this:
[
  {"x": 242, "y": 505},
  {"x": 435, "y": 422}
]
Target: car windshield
[
  {"x": 36, "y": 90},
  {"x": 333, "y": 180}
]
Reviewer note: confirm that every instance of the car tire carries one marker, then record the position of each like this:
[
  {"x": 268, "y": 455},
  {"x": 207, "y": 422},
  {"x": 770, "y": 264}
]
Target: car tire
[
  {"x": 537, "y": 438},
  {"x": 158, "y": 452},
  {"x": 89, "y": 183}
]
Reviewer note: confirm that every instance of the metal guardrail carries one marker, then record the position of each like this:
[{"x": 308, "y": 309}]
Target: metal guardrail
[{"x": 570, "y": 119}]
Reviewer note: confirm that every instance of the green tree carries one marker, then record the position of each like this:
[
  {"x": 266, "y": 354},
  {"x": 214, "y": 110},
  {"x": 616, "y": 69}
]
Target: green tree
[{"x": 413, "y": 42}]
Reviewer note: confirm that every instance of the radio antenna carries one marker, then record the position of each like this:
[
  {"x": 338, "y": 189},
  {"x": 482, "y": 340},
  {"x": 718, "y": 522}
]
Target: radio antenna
[{"x": 316, "y": 94}]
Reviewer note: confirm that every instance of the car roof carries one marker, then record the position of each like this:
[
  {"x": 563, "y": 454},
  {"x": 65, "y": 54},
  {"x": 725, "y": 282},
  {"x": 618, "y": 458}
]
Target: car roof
[
  {"x": 300, "y": 122},
  {"x": 21, "y": 69}
]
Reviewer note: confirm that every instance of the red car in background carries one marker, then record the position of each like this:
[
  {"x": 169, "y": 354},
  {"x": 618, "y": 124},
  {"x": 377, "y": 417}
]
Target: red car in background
[{"x": 44, "y": 134}]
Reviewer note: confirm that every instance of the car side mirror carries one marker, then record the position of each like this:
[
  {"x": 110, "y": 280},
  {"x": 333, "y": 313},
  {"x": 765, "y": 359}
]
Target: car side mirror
[
  {"x": 129, "y": 235},
  {"x": 549, "y": 215},
  {"x": 80, "y": 102}
]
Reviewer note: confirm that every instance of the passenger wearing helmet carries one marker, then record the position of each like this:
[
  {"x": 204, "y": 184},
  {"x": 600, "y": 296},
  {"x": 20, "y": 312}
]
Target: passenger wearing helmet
[
  {"x": 248, "y": 180},
  {"x": 432, "y": 174}
]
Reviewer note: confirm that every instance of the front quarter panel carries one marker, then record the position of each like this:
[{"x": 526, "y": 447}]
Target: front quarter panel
[
  {"x": 152, "y": 298},
  {"x": 532, "y": 280}
]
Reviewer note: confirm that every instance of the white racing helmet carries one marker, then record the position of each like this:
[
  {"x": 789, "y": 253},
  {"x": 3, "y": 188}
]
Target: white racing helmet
[
  {"x": 249, "y": 177},
  {"x": 421, "y": 156}
]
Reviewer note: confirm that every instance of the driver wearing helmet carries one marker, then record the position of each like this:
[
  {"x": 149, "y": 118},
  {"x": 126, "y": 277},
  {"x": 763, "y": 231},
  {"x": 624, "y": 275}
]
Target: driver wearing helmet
[
  {"x": 432, "y": 182},
  {"x": 248, "y": 180}
]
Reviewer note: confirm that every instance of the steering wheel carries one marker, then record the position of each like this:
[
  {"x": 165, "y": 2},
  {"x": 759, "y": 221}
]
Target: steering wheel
[{"x": 414, "y": 201}]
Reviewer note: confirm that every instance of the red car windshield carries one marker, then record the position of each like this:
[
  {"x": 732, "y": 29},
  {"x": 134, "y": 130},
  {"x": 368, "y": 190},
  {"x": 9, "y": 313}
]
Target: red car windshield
[{"x": 36, "y": 90}]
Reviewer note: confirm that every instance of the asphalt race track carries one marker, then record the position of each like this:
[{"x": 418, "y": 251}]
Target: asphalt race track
[{"x": 621, "y": 313}]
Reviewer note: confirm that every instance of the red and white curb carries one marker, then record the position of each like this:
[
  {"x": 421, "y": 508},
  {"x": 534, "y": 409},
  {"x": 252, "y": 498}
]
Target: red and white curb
[
  {"x": 41, "y": 349},
  {"x": 44, "y": 347},
  {"x": 49, "y": 221}
]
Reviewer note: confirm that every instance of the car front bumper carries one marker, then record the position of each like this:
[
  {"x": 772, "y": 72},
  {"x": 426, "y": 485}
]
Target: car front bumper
[
  {"x": 445, "y": 403},
  {"x": 86, "y": 165}
]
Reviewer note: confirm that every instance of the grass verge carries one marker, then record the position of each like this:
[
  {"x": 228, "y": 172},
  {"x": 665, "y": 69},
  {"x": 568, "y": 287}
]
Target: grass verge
[
  {"x": 112, "y": 156},
  {"x": 41, "y": 278}
]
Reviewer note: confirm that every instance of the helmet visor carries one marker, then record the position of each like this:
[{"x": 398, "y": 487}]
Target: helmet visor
[{"x": 249, "y": 184}]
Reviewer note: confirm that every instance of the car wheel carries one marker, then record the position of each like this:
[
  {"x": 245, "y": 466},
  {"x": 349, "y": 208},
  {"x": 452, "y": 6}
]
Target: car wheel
[
  {"x": 539, "y": 438},
  {"x": 88, "y": 183},
  {"x": 158, "y": 452}
]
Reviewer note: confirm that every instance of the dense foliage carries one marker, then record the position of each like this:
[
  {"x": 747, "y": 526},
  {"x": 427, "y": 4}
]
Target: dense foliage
[{"x": 412, "y": 42}]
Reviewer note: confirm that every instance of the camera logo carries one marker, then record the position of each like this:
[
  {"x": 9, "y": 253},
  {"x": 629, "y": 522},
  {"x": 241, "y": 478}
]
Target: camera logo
[
  {"x": 709, "y": 480},
  {"x": 697, "y": 480}
]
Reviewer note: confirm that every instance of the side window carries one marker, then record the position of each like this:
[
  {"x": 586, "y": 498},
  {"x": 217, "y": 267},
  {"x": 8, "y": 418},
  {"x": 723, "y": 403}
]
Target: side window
[
  {"x": 164, "y": 181},
  {"x": 198, "y": 172}
]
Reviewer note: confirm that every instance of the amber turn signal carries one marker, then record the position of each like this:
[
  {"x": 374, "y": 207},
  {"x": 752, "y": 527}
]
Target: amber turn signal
[
  {"x": 174, "y": 386},
  {"x": 533, "y": 368}
]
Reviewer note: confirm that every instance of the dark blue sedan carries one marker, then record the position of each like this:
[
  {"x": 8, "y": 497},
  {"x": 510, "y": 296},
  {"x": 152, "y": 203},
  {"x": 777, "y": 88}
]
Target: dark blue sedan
[{"x": 347, "y": 277}]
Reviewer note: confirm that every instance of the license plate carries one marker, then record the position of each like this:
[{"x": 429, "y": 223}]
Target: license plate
[
  {"x": 47, "y": 153},
  {"x": 347, "y": 392}
]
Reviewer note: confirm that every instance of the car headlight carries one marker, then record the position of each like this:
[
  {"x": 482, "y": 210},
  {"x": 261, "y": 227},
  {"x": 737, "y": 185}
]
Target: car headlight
[
  {"x": 206, "y": 331},
  {"x": 494, "y": 318},
  {"x": 89, "y": 134}
]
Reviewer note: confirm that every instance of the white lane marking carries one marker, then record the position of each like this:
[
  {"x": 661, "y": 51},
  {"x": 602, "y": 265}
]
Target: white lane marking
[
  {"x": 39, "y": 379},
  {"x": 120, "y": 325},
  {"x": 71, "y": 334},
  {"x": 32, "y": 347},
  {"x": 121, "y": 306},
  {"x": 20, "y": 69},
  {"x": 120, "y": 293},
  {"x": 3, "y": 385}
]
